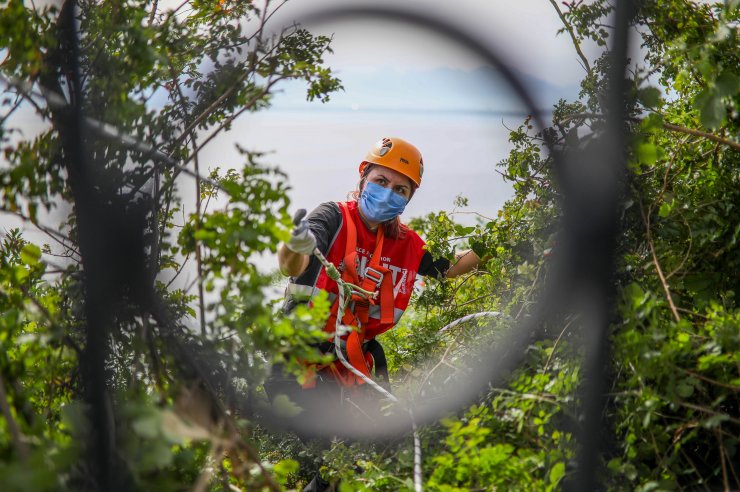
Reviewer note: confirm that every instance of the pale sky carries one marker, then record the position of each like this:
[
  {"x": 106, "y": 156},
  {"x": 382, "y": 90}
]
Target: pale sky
[{"x": 522, "y": 30}]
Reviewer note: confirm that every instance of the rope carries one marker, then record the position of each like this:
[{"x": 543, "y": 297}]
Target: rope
[
  {"x": 344, "y": 289},
  {"x": 484, "y": 314}
]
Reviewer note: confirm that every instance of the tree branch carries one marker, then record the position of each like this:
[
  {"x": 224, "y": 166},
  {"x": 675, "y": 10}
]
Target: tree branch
[
  {"x": 154, "y": 12},
  {"x": 55, "y": 235},
  {"x": 667, "y": 126},
  {"x": 725, "y": 480},
  {"x": 646, "y": 221},
  {"x": 708, "y": 380},
  {"x": 569, "y": 28},
  {"x": 707, "y": 411},
  {"x": 698, "y": 133}
]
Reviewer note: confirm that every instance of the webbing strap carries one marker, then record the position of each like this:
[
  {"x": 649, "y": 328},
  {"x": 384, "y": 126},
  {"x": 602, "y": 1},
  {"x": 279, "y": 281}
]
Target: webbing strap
[
  {"x": 376, "y": 278},
  {"x": 351, "y": 244},
  {"x": 355, "y": 354}
]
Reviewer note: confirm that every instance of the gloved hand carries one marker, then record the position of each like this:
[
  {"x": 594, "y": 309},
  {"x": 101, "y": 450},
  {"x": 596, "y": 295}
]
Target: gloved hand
[{"x": 302, "y": 240}]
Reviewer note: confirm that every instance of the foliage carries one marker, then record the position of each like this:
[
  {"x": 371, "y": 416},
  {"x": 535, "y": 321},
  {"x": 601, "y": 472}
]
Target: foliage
[
  {"x": 156, "y": 86},
  {"x": 184, "y": 372}
]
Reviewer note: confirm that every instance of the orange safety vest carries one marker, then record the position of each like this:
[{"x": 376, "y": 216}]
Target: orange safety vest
[{"x": 378, "y": 278}]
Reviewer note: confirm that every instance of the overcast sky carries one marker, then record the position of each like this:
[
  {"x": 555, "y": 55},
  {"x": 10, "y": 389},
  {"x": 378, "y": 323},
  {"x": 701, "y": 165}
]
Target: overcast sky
[{"x": 523, "y": 31}]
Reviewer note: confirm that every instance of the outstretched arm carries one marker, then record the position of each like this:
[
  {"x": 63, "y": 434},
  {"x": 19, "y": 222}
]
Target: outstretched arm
[
  {"x": 465, "y": 261},
  {"x": 293, "y": 255},
  {"x": 291, "y": 263}
]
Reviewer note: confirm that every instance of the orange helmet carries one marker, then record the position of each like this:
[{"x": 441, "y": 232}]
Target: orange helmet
[{"x": 397, "y": 154}]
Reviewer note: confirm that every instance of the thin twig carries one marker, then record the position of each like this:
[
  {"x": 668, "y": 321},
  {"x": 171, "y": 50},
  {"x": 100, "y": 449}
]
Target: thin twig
[
  {"x": 686, "y": 256},
  {"x": 207, "y": 471},
  {"x": 694, "y": 467},
  {"x": 528, "y": 396},
  {"x": 178, "y": 272},
  {"x": 557, "y": 340},
  {"x": 651, "y": 245},
  {"x": 198, "y": 258},
  {"x": 708, "y": 380},
  {"x": 19, "y": 100},
  {"x": 569, "y": 28},
  {"x": 472, "y": 301},
  {"x": 215, "y": 104},
  {"x": 708, "y": 411},
  {"x": 461, "y": 212},
  {"x": 441, "y": 360},
  {"x": 725, "y": 480},
  {"x": 224, "y": 124},
  {"x": 699, "y": 133},
  {"x": 231, "y": 118}
]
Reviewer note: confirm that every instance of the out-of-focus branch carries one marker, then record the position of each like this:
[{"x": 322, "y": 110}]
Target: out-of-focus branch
[
  {"x": 667, "y": 126},
  {"x": 15, "y": 432}
]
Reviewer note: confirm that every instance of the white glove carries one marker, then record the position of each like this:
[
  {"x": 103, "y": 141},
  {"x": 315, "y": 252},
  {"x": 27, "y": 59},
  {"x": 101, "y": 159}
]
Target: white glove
[{"x": 302, "y": 241}]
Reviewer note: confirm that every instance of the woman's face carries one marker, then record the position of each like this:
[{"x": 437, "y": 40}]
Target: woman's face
[{"x": 388, "y": 178}]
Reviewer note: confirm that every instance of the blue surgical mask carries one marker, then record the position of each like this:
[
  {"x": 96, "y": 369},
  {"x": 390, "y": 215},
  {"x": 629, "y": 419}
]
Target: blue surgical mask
[{"x": 381, "y": 204}]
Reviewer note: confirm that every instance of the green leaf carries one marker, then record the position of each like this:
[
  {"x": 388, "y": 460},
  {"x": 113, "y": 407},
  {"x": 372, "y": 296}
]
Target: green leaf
[
  {"x": 698, "y": 282},
  {"x": 711, "y": 108},
  {"x": 715, "y": 420},
  {"x": 156, "y": 456},
  {"x": 647, "y": 153},
  {"x": 557, "y": 472},
  {"x": 684, "y": 390},
  {"x": 20, "y": 273},
  {"x": 652, "y": 121},
  {"x": 30, "y": 254},
  {"x": 728, "y": 84},
  {"x": 284, "y": 468},
  {"x": 649, "y": 97}
]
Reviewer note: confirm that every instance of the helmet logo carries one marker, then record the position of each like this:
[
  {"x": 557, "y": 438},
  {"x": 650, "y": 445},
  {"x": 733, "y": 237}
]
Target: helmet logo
[{"x": 385, "y": 146}]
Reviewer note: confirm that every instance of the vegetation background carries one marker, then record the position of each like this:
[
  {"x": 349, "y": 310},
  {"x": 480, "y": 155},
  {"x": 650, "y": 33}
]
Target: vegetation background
[{"x": 93, "y": 341}]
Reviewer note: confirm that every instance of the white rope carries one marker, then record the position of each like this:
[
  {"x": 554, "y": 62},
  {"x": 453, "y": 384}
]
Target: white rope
[{"x": 484, "y": 314}]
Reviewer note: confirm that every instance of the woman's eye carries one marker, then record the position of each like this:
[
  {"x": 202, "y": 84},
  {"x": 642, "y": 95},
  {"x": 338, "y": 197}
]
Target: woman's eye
[{"x": 401, "y": 190}]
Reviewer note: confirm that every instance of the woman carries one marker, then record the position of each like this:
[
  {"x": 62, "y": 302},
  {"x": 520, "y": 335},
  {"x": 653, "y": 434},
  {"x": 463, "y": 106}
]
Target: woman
[
  {"x": 387, "y": 254},
  {"x": 384, "y": 256}
]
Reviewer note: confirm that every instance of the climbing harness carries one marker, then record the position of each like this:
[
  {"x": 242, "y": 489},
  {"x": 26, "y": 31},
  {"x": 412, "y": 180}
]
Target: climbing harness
[
  {"x": 372, "y": 286},
  {"x": 370, "y": 295}
]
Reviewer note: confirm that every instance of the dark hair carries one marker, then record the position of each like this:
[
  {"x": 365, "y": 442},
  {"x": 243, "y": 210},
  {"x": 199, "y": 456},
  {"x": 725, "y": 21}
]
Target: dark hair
[{"x": 394, "y": 228}]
